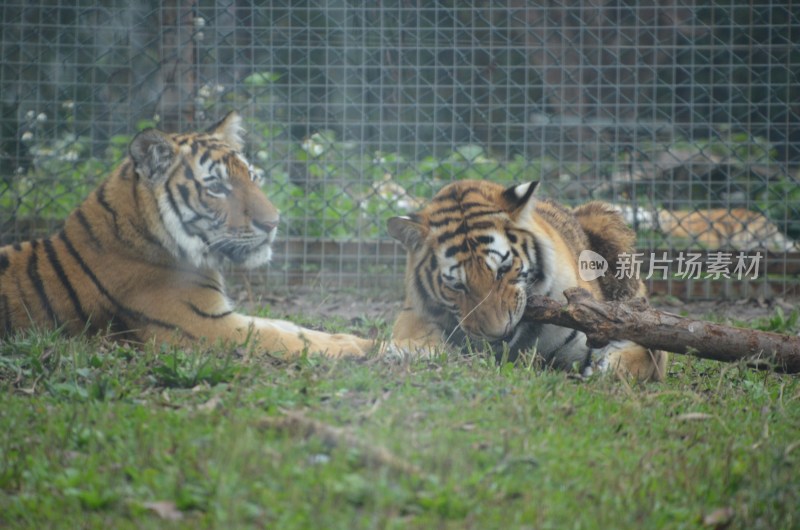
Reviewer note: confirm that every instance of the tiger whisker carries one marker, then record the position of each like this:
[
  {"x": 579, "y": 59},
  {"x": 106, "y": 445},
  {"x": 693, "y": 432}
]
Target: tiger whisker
[
  {"x": 461, "y": 320},
  {"x": 227, "y": 241}
]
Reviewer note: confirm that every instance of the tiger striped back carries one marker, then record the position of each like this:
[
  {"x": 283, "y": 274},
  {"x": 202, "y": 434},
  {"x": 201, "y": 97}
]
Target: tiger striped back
[{"x": 737, "y": 228}]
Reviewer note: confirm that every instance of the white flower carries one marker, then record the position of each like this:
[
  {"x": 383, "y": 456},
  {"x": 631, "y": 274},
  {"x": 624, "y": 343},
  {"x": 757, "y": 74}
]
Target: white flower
[
  {"x": 69, "y": 156},
  {"x": 311, "y": 147}
]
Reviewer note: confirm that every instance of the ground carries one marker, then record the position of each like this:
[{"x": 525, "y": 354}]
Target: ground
[
  {"x": 95, "y": 434},
  {"x": 344, "y": 304},
  {"x": 349, "y": 305}
]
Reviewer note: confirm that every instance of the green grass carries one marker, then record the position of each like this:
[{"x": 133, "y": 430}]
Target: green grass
[{"x": 98, "y": 435}]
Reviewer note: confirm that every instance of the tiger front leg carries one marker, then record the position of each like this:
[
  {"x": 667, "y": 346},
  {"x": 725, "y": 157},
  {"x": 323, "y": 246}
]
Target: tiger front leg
[
  {"x": 413, "y": 336},
  {"x": 284, "y": 338},
  {"x": 276, "y": 337}
]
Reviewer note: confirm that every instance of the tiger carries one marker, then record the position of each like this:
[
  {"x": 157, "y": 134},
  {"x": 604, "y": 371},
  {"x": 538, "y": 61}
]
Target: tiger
[
  {"x": 716, "y": 228},
  {"x": 141, "y": 257},
  {"x": 476, "y": 253}
]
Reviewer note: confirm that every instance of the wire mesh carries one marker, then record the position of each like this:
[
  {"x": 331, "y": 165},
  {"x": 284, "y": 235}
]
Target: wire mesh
[{"x": 683, "y": 113}]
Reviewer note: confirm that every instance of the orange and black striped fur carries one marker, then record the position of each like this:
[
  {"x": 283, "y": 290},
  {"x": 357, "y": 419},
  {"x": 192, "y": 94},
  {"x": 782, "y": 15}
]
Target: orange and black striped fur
[
  {"x": 737, "y": 228},
  {"x": 141, "y": 255},
  {"x": 476, "y": 253}
]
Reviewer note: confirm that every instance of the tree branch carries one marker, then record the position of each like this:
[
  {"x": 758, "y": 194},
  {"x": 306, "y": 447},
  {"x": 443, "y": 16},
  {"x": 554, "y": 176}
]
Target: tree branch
[
  {"x": 298, "y": 424},
  {"x": 636, "y": 321}
]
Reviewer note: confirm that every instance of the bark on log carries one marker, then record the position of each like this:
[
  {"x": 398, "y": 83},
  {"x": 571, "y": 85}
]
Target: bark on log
[
  {"x": 296, "y": 423},
  {"x": 636, "y": 321}
]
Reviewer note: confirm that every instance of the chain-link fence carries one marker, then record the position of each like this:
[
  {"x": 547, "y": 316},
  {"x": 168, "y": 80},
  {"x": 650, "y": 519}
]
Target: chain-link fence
[{"x": 686, "y": 114}]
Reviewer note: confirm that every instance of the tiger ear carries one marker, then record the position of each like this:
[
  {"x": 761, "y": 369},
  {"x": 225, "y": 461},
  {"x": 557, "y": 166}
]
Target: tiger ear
[
  {"x": 152, "y": 153},
  {"x": 522, "y": 199},
  {"x": 407, "y": 231},
  {"x": 229, "y": 130}
]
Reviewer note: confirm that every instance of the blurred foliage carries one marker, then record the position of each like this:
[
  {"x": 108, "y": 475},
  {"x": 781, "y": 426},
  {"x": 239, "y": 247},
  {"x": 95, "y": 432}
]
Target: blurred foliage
[
  {"x": 358, "y": 111},
  {"x": 326, "y": 187}
]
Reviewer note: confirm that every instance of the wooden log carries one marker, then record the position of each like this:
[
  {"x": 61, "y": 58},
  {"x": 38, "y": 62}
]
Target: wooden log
[
  {"x": 298, "y": 424},
  {"x": 637, "y": 321}
]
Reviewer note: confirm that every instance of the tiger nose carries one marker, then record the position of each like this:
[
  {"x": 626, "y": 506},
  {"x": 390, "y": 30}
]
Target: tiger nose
[
  {"x": 497, "y": 330},
  {"x": 266, "y": 226}
]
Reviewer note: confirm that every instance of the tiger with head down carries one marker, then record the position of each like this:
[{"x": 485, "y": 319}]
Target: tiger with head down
[
  {"x": 476, "y": 253},
  {"x": 141, "y": 255}
]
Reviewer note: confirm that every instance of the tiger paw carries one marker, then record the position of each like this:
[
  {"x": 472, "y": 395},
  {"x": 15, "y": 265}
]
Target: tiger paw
[
  {"x": 394, "y": 350},
  {"x": 336, "y": 345}
]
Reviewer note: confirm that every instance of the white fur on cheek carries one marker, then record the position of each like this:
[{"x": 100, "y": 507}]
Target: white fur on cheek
[
  {"x": 192, "y": 246},
  {"x": 264, "y": 254},
  {"x": 554, "y": 281},
  {"x": 259, "y": 258},
  {"x": 451, "y": 267},
  {"x": 549, "y": 265},
  {"x": 498, "y": 252}
]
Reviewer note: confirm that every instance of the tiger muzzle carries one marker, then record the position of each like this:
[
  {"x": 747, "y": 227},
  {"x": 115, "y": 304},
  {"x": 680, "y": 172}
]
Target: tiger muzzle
[{"x": 490, "y": 329}]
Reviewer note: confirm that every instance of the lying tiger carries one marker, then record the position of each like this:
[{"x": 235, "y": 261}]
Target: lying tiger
[
  {"x": 479, "y": 250},
  {"x": 714, "y": 228},
  {"x": 141, "y": 256}
]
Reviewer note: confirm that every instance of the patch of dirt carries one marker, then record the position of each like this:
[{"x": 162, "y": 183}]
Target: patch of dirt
[
  {"x": 348, "y": 305},
  {"x": 746, "y": 310},
  {"x": 351, "y": 305}
]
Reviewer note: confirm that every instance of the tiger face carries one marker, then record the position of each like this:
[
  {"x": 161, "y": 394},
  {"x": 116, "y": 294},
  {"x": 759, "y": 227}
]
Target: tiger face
[
  {"x": 486, "y": 290},
  {"x": 474, "y": 260},
  {"x": 208, "y": 195}
]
